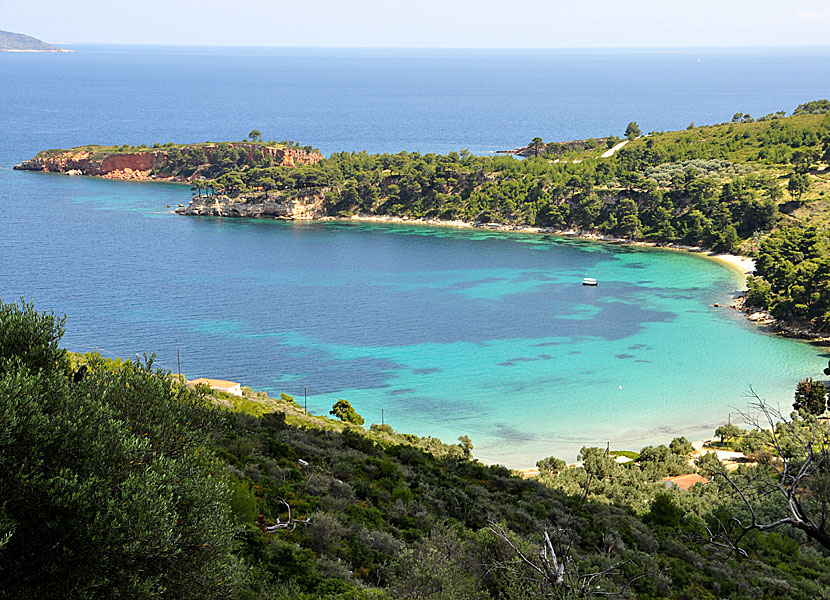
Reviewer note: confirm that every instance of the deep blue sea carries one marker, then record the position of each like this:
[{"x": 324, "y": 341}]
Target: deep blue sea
[{"x": 450, "y": 332}]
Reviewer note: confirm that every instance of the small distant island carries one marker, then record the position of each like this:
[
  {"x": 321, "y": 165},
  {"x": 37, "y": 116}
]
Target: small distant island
[{"x": 19, "y": 42}]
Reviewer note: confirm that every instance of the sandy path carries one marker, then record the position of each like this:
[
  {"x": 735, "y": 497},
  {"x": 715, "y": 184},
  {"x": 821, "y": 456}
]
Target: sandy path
[{"x": 610, "y": 152}]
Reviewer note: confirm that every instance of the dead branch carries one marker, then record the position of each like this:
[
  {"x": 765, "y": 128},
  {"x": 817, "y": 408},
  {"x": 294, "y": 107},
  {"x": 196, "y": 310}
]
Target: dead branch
[
  {"x": 790, "y": 478},
  {"x": 289, "y": 523}
]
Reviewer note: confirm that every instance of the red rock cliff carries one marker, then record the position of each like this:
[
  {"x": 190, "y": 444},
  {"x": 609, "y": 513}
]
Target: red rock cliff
[{"x": 141, "y": 164}]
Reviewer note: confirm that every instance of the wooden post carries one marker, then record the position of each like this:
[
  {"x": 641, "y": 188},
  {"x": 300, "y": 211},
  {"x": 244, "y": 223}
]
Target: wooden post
[
  {"x": 179, "y": 360},
  {"x": 382, "y": 422},
  {"x": 305, "y": 402}
]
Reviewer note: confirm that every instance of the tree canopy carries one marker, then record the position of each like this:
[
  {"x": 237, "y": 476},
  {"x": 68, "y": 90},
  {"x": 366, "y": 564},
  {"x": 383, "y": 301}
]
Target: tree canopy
[
  {"x": 811, "y": 397},
  {"x": 107, "y": 488},
  {"x": 121, "y": 482},
  {"x": 632, "y": 131},
  {"x": 344, "y": 411}
]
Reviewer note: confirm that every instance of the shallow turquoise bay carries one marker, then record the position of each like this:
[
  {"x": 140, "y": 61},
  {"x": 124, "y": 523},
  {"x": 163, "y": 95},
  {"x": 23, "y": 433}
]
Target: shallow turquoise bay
[{"x": 448, "y": 331}]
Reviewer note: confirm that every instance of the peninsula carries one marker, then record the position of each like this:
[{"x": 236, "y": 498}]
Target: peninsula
[
  {"x": 18, "y": 42},
  {"x": 170, "y": 162},
  {"x": 749, "y": 186}
]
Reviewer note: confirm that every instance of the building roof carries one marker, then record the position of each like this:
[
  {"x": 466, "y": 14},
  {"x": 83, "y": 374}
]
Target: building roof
[
  {"x": 215, "y": 383},
  {"x": 684, "y": 482}
]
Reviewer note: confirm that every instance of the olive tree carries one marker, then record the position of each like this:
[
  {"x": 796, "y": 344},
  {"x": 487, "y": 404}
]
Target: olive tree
[
  {"x": 344, "y": 411},
  {"x": 108, "y": 488}
]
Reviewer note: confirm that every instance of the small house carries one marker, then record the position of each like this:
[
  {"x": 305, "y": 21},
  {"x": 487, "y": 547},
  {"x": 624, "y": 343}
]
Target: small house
[
  {"x": 684, "y": 482},
  {"x": 231, "y": 387}
]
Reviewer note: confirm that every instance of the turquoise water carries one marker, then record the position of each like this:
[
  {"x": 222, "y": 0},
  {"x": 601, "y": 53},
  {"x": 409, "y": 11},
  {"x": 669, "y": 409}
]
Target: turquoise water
[{"x": 449, "y": 332}]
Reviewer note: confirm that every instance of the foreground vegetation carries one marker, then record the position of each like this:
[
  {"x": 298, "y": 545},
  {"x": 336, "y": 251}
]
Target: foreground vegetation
[{"x": 120, "y": 481}]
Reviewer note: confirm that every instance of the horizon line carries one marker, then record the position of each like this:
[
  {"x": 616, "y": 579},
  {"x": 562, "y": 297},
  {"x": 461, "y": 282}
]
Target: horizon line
[{"x": 355, "y": 47}]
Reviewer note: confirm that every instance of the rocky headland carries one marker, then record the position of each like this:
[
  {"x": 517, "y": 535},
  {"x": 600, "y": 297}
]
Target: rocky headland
[
  {"x": 764, "y": 319},
  {"x": 298, "y": 206},
  {"x": 155, "y": 163},
  {"x": 556, "y": 147}
]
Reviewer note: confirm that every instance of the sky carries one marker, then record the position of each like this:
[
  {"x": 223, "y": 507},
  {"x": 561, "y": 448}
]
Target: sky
[{"x": 424, "y": 23}]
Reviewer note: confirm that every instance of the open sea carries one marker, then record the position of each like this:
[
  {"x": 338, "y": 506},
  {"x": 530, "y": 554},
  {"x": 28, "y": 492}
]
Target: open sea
[{"x": 449, "y": 332}]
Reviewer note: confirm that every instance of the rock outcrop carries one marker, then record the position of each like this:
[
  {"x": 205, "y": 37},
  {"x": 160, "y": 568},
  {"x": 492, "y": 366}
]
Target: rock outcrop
[
  {"x": 301, "y": 207},
  {"x": 151, "y": 163},
  {"x": 85, "y": 162}
]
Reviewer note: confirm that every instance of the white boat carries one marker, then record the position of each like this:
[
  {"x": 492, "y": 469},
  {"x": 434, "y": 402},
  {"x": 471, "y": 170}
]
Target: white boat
[{"x": 589, "y": 281}]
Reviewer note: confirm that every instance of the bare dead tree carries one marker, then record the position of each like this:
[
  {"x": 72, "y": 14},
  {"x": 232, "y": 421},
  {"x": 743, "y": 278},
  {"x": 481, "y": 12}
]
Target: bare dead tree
[
  {"x": 555, "y": 572},
  {"x": 4, "y": 539},
  {"x": 791, "y": 489},
  {"x": 290, "y": 523}
]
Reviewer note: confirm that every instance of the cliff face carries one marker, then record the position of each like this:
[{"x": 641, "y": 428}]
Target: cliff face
[
  {"x": 300, "y": 208},
  {"x": 85, "y": 163},
  {"x": 139, "y": 165},
  {"x": 287, "y": 157}
]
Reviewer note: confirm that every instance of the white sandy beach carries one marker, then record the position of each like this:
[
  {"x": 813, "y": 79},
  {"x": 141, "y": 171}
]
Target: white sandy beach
[{"x": 744, "y": 264}]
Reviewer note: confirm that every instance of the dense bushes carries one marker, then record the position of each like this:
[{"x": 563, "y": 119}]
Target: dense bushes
[
  {"x": 792, "y": 276},
  {"x": 107, "y": 488},
  {"x": 126, "y": 484},
  {"x": 708, "y": 186}
]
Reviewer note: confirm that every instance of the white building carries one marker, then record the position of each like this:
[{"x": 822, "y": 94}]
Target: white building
[{"x": 230, "y": 387}]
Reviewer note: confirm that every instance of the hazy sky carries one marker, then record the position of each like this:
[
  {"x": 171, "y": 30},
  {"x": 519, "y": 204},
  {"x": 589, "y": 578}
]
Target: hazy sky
[{"x": 431, "y": 23}]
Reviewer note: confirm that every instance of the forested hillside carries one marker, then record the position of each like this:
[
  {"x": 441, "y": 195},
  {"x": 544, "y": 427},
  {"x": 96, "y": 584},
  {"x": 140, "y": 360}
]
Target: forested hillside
[
  {"x": 716, "y": 186},
  {"x": 721, "y": 187},
  {"x": 119, "y": 481}
]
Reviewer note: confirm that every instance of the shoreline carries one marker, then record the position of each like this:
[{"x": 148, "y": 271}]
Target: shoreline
[
  {"x": 738, "y": 264},
  {"x": 742, "y": 264},
  {"x": 730, "y": 459}
]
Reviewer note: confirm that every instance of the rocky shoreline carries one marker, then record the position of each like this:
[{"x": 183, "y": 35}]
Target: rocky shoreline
[
  {"x": 299, "y": 207},
  {"x": 766, "y": 321}
]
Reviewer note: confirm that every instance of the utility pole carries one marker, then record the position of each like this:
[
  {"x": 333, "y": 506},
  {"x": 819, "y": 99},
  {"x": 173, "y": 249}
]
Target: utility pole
[
  {"x": 305, "y": 402},
  {"x": 607, "y": 448}
]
